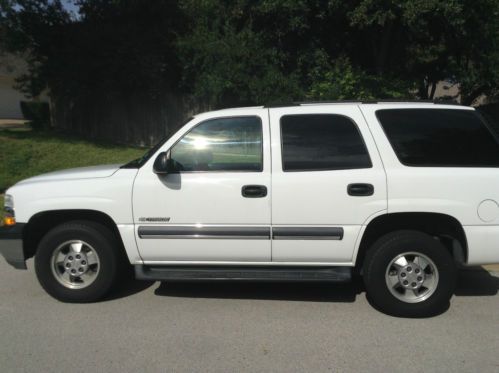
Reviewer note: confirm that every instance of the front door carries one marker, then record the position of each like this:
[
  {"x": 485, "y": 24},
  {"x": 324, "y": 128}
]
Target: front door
[
  {"x": 327, "y": 180},
  {"x": 215, "y": 207}
]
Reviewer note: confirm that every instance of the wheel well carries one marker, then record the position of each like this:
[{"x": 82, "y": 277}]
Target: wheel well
[
  {"x": 444, "y": 227},
  {"x": 41, "y": 223}
]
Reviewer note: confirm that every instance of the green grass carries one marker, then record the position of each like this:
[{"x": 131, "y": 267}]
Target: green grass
[{"x": 28, "y": 153}]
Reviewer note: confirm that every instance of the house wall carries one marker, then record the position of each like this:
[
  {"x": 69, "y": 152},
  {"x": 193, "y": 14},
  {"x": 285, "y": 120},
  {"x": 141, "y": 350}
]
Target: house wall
[{"x": 10, "y": 99}]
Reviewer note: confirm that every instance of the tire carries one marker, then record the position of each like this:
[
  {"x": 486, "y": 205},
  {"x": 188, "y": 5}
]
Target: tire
[
  {"x": 399, "y": 288},
  {"x": 98, "y": 246}
]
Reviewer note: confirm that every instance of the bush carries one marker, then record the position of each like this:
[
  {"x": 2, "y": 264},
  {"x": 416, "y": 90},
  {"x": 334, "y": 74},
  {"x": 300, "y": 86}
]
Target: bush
[{"x": 38, "y": 113}]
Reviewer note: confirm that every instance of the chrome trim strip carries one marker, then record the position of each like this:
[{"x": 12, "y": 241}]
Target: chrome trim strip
[
  {"x": 336, "y": 238},
  {"x": 204, "y": 236},
  {"x": 307, "y": 233},
  {"x": 240, "y": 233},
  {"x": 210, "y": 232}
]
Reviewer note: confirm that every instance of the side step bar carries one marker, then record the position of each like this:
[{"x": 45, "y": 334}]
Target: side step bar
[{"x": 264, "y": 274}]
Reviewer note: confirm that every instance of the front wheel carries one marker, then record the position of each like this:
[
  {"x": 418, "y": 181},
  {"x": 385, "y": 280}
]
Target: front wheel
[
  {"x": 77, "y": 262},
  {"x": 409, "y": 273}
]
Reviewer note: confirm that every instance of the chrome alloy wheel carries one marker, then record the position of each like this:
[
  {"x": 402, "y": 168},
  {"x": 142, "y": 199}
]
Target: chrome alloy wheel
[
  {"x": 75, "y": 264},
  {"x": 412, "y": 277}
]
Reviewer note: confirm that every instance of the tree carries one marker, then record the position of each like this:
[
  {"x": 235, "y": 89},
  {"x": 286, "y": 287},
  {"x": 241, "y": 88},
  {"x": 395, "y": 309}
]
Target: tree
[
  {"x": 244, "y": 52},
  {"x": 112, "y": 46},
  {"x": 331, "y": 49},
  {"x": 226, "y": 60},
  {"x": 429, "y": 40},
  {"x": 110, "y": 66},
  {"x": 34, "y": 29}
]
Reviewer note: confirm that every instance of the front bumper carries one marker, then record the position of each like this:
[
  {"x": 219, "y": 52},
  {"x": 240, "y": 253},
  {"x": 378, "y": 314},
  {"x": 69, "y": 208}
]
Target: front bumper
[{"x": 11, "y": 245}]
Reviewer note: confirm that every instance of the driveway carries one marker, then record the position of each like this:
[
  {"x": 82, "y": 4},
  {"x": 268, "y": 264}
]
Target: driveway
[{"x": 230, "y": 327}]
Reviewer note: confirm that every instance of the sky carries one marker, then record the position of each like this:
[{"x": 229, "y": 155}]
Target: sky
[{"x": 70, "y": 5}]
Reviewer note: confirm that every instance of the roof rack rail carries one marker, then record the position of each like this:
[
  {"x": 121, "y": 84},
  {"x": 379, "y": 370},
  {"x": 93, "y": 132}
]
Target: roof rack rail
[
  {"x": 270, "y": 106},
  {"x": 412, "y": 101},
  {"x": 329, "y": 102},
  {"x": 398, "y": 100},
  {"x": 325, "y": 102},
  {"x": 299, "y": 103}
]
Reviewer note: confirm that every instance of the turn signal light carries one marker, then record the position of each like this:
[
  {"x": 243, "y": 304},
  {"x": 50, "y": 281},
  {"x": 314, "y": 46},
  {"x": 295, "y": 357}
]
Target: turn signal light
[{"x": 9, "y": 221}]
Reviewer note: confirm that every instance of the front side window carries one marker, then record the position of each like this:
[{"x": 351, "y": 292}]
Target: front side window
[
  {"x": 223, "y": 144},
  {"x": 319, "y": 142},
  {"x": 439, "y": 138}
]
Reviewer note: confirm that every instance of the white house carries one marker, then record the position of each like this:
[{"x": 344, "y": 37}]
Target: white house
[{"x": 10, "y": 98}]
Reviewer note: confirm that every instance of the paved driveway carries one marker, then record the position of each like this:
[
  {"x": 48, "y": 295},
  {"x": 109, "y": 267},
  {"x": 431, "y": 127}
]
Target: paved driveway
[{"x": 151, "y": 327}]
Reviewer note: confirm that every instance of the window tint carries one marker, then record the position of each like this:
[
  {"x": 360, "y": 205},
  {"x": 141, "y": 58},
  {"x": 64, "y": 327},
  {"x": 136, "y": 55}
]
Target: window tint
[
  {"x": 439, "y": 137},
  {"x": 226, "y": 144},
  {"x": 321, "y": 142}
]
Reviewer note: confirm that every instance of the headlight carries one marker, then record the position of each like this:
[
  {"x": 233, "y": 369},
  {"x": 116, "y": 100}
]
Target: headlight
[{"x": 9, "y": 215}]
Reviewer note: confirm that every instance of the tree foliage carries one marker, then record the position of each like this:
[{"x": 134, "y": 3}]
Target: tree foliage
[
  {"x": 110, "y": 46},
  {"x": 239, "y": 52}
]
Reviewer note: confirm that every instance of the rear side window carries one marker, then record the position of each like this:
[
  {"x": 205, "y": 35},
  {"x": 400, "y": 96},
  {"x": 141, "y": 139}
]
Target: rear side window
[
  {"x": 439, "y": 138},
  {"x": 319, "y": 142}
]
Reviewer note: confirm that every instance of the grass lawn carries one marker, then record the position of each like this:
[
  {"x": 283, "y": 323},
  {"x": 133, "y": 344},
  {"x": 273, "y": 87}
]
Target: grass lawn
[{"x": 27, "y": 153}]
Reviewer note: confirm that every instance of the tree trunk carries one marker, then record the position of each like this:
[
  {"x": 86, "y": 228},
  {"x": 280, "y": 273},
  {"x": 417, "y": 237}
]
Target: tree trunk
[
  {"x": 423, "y": 89},
  {"x": 433, "y": 89},
  {"x": 381, "y": 53}
]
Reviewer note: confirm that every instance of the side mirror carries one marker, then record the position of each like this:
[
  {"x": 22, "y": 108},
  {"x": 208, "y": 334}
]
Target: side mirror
[{"x": 162, "y": 164}]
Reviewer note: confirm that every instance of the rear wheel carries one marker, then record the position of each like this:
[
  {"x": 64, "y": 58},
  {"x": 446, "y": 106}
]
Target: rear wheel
[
  {"x": 77, "y": 261},
  {"x": 409, "y": 273}
]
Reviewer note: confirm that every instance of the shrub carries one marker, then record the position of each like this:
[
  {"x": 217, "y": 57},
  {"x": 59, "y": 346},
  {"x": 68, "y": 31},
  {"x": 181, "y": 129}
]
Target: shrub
[{"x": 38, "y": 113}]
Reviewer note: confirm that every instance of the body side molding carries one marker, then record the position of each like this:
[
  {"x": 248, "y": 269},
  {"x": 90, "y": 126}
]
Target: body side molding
[
  {"x": 307, "y": 233},
  {"x": 183, "y": 232},
  {"x": 230, "y": 232}
]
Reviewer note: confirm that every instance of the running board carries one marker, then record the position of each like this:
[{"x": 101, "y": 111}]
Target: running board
[{"x": 264, "y": 274}]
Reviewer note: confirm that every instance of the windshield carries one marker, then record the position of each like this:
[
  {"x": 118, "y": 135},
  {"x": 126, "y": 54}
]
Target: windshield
[{"x": 139, "y": 162}]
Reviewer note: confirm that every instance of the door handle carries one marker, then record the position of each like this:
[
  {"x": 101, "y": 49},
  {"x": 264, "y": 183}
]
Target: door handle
[
  {"x": 360, "y": 190},
  {"x": 254, "y": 191}
]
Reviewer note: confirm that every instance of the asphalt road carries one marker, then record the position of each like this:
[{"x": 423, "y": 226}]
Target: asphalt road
[{"x": 213, "y": 327}]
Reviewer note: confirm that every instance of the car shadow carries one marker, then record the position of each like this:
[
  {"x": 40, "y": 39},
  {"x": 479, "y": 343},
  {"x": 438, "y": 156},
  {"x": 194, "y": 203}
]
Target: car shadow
[
  {"x": 128, "y": 287},
  {"x": 476, "y": 281},
  {"x": 471, "y": 282}
]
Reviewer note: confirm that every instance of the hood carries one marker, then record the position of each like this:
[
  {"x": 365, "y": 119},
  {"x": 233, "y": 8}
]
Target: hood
[{"x": 76, "y": 173}]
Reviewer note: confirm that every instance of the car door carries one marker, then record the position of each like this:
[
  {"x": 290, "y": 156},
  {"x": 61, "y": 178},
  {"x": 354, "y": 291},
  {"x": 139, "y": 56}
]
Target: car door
[
  {"x": 215, "y": 206},
  {"x": 327, "y": 181}
]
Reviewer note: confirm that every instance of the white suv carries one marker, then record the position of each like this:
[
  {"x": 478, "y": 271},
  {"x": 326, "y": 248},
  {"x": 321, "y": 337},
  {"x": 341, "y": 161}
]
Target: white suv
[{"x": 400, "y": 193}]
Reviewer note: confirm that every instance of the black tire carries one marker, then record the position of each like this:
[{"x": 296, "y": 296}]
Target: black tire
[
  {"x": 387, "y": 248},
  {"x": 101, "y": 240}
]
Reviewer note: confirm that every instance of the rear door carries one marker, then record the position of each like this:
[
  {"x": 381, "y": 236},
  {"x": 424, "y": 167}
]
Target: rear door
[{"x": 327, "y": 181}]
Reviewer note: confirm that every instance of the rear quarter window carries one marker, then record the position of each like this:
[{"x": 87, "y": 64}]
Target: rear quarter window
[{"x": 439, "y": 137}]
